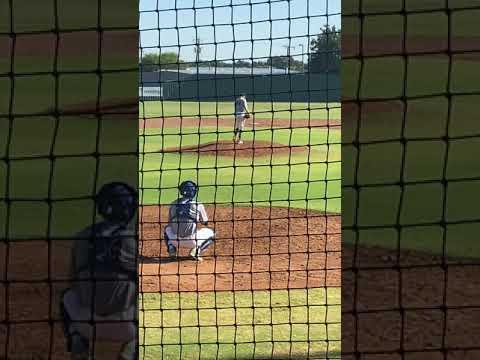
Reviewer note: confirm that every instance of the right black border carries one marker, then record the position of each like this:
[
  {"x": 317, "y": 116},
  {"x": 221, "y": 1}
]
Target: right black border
[{"x": 410, "y": 259}]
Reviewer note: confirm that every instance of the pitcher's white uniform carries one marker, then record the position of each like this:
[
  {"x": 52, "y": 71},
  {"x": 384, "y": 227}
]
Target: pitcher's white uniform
[{"x": 241, "y": 108}]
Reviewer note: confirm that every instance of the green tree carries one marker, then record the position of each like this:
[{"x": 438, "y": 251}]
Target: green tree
[
  {"x": 163, "y": 61},
  {"x": 326, "y": 55},
  {"x": 243, "y": 64},
  {"x": 284, "y": 62}
]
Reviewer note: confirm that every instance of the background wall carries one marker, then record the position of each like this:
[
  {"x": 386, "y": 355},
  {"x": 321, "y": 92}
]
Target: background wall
[{"x": 296, "y": 87}]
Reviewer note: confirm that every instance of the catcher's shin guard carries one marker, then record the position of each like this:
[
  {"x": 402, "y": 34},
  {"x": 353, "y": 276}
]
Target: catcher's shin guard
[
  {"x": 196, "y": 252},
  {"x": 77, "y": 345},
  {"x": 172, "y": 250},
  {"x": 205, "y": 245}
]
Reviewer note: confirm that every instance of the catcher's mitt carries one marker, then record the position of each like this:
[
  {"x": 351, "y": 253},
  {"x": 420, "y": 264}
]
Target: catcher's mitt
[{"x": 247, "y": 116}]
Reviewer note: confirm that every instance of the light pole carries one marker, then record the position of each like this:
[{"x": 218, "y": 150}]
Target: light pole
[
  {"x": 303, "y": 53},
  {"x": 197, "y": 50},
  {"x": 288, "y": 47}
]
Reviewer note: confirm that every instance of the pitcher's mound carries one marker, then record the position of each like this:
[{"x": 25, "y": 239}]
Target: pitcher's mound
[{"x": 247, "y": 149}]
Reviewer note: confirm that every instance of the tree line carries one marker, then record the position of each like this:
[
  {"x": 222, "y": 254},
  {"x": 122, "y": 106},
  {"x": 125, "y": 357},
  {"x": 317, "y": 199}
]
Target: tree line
[{"x": 324, "y": 56}]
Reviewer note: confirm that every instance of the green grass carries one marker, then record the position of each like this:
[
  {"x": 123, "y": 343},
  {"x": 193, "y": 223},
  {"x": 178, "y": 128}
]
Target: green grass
[
  {"x": 262, "y": 110},
  {"x": 243, "y": 325},
  {"x": 72, "y": 179},
  {"x": 159, "y": 139},
  {"x": 427, "y": 239},
  {"x": 422, "y": 197},
  {"x": 282, "y": 323},
  {"x": 295, "y": 181}
]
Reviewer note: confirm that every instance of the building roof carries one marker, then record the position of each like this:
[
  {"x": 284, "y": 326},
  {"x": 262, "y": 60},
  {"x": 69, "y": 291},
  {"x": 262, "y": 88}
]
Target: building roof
[
  {"x": 226, "y": 71},
  {"x": 234, "y": 70},
  {"x": 151, "y": 78}
]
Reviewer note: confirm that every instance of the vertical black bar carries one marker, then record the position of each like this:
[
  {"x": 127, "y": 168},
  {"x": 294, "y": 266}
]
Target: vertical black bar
[
  {"x": 410, "y": 177},
  {"x": 68, "y": 128}
]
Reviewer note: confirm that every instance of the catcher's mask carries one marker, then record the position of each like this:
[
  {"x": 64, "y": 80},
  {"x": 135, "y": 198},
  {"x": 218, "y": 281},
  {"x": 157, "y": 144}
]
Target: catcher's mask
[
  {"x": 117, "y": 202},
  {"x": 188, "y": 189}
]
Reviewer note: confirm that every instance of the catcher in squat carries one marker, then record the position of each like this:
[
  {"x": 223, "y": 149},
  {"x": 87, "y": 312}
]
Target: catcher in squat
[
  {"x": 241, "y": 113},
  {"x": 102, "y": 302},
  {"x": 184, "y": 215}
]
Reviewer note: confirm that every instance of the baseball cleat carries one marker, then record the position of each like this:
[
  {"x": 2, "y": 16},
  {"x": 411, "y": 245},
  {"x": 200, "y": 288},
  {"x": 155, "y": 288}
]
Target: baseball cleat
[
  {"x": 240, "y": 142},
  {"x": 129, "y": 351},
  {"x": 172, "y": 252},
  {"x": 194, "y": 254}
]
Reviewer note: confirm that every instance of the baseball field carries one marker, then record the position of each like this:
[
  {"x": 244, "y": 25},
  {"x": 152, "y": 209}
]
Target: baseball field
[{"x": 270, "y": 286}]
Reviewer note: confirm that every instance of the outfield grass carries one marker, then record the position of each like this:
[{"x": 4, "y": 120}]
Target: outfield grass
[
  {"x": 241, "y": 324},
  {"x": 262, "y": 110},
  {"x": 301, "y": 180}
]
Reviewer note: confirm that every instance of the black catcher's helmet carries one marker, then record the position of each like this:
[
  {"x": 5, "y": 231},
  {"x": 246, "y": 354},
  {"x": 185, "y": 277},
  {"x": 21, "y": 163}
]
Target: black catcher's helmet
[
  {"x": 117, "y": 202},
  {"x": 188, "y": 189}
]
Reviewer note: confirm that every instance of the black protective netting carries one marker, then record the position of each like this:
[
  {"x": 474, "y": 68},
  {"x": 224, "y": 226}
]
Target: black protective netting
[
  {"x": 68, "y": 126},
  {"x": 410, "y": 180},
  {"x": 269, "y": 282}
]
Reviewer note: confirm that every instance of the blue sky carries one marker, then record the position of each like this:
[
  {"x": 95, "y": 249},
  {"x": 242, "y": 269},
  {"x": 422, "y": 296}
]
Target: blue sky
[{"x": 173, "y": 25}]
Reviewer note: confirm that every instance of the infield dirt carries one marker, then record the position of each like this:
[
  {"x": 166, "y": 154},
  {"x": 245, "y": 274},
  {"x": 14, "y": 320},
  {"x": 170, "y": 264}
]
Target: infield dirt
[
  {"x": 248, "y": 149},
  {"x": 256, "y": 249}
]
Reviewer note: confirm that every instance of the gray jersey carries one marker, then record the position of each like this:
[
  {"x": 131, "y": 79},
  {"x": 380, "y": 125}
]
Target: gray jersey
[
  {"x": 184, "y": 214},
  {"x": 241, "y": 107},
  {"x": 108, "y": 252},
  {"x": 108, "y": 245}
]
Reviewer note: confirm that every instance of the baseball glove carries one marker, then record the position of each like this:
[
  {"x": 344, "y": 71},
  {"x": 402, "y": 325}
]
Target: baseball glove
[{"x": 247, "y": 116}]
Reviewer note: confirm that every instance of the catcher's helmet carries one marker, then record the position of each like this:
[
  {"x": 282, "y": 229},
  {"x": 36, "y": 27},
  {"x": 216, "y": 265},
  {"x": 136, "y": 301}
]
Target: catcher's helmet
[
  {"x": 188, "y": 189},
  {"x": 117, "y": 202}
]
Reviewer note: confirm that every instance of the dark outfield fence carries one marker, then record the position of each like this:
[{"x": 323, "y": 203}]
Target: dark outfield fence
[{"x": 296, "y": 87}]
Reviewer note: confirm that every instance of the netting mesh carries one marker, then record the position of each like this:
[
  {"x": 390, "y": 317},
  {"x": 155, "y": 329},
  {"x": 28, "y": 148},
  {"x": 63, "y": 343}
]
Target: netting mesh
[
  {"x": 268, "y": 285},
  {"x": 67, "y": 86},
  {"x": 410, "y": 259}
]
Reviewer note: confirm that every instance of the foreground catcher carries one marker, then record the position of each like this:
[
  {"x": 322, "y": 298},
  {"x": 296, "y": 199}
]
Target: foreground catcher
[
  {"x": 184, "y": 215},
  {"x": 241, "y": 113},
  {"x": 102, "y": 303}
]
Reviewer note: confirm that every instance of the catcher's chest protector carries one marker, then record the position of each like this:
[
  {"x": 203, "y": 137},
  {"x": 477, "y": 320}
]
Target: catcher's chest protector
[
  {"x": 114, "y": 287},
  {"x": 185, "y": 219}
]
